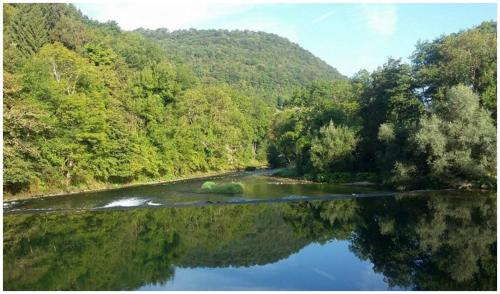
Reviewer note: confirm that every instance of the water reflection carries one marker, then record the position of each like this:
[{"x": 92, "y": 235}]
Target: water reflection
[{"x": 432, "y": 242}]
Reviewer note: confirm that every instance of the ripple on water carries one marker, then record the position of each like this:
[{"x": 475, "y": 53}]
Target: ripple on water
[
  {"x": 127, "y": 202},
  {"x": 153, "y": 203}
]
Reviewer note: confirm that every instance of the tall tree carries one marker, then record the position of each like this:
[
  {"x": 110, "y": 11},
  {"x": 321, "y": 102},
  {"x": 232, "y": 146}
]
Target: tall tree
[
  {"x": 459, "y": 138},
  {"x": 467, "y": 58},
  {"x": 28, "y": 29}
]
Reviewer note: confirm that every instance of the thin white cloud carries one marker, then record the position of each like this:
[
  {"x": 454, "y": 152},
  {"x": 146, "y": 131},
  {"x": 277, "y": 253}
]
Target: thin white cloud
[
  {"x": 323, "y": 17},
  {"x": 324, "y": 274},
  {"x": 171, "y": 15},
  {"x": 381, "y": 19}
]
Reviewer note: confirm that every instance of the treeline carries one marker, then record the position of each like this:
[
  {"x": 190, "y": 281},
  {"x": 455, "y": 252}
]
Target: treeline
[
  {"x": 86, "y": 104},
  {"x": 428, "y": 123}
]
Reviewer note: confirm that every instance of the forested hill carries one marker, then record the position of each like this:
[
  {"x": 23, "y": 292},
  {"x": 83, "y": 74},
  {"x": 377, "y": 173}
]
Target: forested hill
[
  {"x": 87, "y": 105},
  {"x": 265, "y": 64}
]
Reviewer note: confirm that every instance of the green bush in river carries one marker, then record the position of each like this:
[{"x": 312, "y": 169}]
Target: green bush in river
[
  {"x": 207, "y": 186},
  {"x": 224, "y": 188}
]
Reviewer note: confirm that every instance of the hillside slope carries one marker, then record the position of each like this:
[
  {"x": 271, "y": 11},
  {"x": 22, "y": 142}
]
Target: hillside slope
[
  {"x": 87, "y": 106},
  {"x": 261, "y": 63}
]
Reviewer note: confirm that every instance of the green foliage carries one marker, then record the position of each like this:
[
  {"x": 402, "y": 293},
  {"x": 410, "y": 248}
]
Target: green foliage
[
  {"x": 402, "y": 175},
  {"x": 398, "y": 121},
  {"x": 72, "y": 34},
  {"x": 333, "y": 145},
  {"x": 100, "y": 54},
  {"x": 468, "y": 58},
  {"x": 216, "y": 133},
  {"x": 27, "y": 29},
  {"x": 207, "y": 186},
  {"x": 24, "y": 123},
  {"x": 304, "y": 122},
  {"x": 287, "y": 173},
  {"x": 87, "y": 105},
  {"x": 458, "y": 137},
  {"x": 222, "y": 188},
  {"x": 259, "y": 63},
  {"x": 390, "y": 112}
]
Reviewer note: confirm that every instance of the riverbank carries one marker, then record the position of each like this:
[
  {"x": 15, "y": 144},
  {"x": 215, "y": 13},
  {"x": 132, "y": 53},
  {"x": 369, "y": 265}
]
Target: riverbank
[
  {"x": 372, "y": 179},
  {"x": 107, "y": 186},
  {"x": 344, "y": 178}
]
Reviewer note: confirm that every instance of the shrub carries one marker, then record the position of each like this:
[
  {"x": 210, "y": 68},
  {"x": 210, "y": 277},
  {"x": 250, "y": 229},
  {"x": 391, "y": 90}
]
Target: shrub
[
  {"x": 223, "y": 188},
  {"x": 207, "y": 186}
]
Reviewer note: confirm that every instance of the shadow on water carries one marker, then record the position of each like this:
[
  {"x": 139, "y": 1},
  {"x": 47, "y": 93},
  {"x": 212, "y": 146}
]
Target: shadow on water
[{"x": 434, "y": 241}]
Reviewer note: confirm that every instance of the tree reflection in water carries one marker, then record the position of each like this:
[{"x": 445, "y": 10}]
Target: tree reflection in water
[{"x": 431, "y": 242}]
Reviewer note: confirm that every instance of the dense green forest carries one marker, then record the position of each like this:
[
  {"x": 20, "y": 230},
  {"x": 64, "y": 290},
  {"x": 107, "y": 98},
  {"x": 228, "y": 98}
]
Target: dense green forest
[
  {"x": 257, "y": 63},
  {"x": 407, "y": 239},
  {"x": 87, "y": 105},
  {"x": 428, "y": 123}
]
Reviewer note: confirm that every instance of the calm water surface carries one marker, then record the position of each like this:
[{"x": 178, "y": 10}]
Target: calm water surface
[
  {"x": 115, "y": 240},
  {"x": 259, "y": 186}
]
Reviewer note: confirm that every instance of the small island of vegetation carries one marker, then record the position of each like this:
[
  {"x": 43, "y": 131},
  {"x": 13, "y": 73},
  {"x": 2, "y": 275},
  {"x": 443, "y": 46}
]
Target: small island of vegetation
[{"x": 222, "y": 188}]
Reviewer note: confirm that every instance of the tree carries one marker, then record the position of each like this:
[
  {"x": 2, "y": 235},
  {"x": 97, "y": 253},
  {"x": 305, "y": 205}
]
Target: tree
[
  {"x": 211, "y": 132},
  {"x": 390, "y": 112},
  {"x": 308, "y": 110},
  {"x": 70, "y": 32},
  {"x": 28, "y": 29},
  {"x": 458, "y": 137},
  {"x": 333, "y": 146},
  {"x": 468, "y": 58},
  {"x": 25, "y": 123},
  {"x": 257, "y": 63}
]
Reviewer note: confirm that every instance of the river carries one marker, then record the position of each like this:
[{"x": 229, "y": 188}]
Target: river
[{"x": 277, "y": 235}]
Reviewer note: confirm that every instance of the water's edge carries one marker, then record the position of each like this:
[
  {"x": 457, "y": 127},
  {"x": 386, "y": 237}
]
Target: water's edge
[{"x": 27, "y": 196}]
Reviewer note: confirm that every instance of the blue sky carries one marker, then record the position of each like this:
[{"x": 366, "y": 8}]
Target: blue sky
[{"x": 350, "y": 37}]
